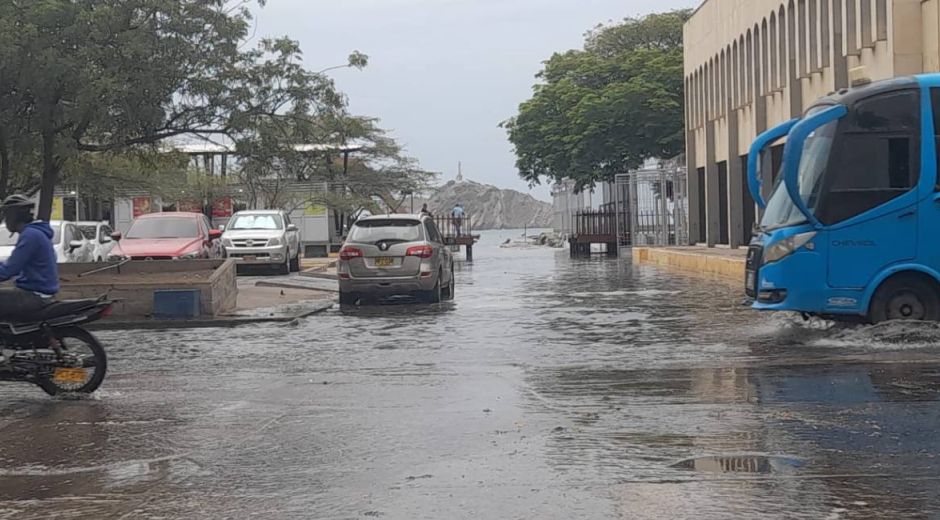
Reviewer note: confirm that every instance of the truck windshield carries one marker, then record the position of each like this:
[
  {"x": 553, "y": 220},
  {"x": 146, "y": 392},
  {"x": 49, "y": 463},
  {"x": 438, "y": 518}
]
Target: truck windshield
[{"x": 781, "y": 211}]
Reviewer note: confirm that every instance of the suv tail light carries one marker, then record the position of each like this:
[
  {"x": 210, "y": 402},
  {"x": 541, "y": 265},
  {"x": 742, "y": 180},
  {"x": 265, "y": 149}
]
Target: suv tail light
[
  {"x": 348, "y": 253},
  {"x": 420, "y": 251}
]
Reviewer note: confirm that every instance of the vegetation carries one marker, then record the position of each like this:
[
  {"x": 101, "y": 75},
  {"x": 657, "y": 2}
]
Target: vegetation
[
  {"x": 605, "y": 109},
  {"x": 92, "y": 91}
]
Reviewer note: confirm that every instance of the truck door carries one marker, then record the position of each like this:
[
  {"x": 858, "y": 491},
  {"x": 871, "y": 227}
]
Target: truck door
[{"x": 870, "y": 200}]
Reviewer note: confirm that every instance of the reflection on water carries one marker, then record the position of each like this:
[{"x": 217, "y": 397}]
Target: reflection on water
[{"x": 551, "y": 388}]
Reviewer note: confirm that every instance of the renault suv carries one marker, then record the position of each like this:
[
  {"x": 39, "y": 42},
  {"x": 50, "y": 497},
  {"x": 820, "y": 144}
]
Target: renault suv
[{"x": 395, "y": 255}]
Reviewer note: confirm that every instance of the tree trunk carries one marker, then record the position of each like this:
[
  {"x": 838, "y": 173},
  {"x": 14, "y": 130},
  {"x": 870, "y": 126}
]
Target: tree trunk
[
  {"x": 50, "y": 175},
  {"x": 5, "y": 166}
]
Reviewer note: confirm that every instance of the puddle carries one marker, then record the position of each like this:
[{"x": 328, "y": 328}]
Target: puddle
[{"x": 755, "y": 464}]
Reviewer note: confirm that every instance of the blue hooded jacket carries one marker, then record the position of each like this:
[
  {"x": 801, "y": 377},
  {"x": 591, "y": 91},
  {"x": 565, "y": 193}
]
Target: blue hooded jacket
[{"x": 33, "y": 260}]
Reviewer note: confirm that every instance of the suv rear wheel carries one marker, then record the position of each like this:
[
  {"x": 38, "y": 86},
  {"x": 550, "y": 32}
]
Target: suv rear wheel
[{"x": 435, "y": 295}]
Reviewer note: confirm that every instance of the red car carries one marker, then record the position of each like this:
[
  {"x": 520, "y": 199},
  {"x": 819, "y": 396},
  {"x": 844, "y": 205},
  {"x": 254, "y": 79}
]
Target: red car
[{"x": 168, "y": 236}]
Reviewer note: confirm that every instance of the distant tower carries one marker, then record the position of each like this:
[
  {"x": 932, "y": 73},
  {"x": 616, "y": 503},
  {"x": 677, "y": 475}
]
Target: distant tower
[{"x": 459, "y": 171}]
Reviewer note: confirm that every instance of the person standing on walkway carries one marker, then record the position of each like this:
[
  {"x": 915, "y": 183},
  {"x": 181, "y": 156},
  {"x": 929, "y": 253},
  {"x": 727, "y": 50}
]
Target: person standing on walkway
[
  {"x": 458, "y": 214},
  {"x": 425, "y": 210}
]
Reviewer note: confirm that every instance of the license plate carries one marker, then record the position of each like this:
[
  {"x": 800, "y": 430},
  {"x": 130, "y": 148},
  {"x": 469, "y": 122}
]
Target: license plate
[
  {"x": 251, "y": 258},
  {"x": 69, "y": 375},
  {"x": 384, "y": 262}
]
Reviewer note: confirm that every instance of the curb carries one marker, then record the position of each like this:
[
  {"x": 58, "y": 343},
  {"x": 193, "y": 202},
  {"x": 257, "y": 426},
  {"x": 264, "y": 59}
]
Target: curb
[
  {"x": 288, "y": 285},
  {"x": 209, "y": 323}
]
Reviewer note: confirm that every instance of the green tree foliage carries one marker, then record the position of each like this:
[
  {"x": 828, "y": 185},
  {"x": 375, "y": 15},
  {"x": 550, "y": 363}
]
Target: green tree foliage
[
  {"x": 605, "y": 109},
  {"x": 92, "y": 90}
]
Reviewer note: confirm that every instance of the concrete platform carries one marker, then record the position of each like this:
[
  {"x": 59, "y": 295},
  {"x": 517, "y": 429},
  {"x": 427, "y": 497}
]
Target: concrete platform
[{"x": 727, "y": 264}]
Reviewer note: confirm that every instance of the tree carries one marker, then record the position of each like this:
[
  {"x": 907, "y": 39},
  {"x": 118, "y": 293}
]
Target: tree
[
  {"x": 107, "y": 75},
  {"x": 605, "y": 109}
]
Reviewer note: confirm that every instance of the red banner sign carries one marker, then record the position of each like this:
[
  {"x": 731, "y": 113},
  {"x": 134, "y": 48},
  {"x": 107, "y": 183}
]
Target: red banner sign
[{"x": 142, "y": 206}]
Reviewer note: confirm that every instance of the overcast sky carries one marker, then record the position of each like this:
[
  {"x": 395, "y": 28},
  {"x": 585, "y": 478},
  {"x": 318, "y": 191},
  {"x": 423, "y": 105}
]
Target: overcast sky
[{"x": 443, "y": 74}]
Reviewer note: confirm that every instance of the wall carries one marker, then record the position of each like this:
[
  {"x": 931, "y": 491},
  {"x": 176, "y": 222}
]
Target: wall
[
  {"x": 752, "y": 64},
  {"x": 135, "y": 282}
]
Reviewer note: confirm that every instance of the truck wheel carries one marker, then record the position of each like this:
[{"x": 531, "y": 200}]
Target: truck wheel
[
  {"x": 905, "y": 297},
  {"x": 285, "y": 267},
  {"x": 295, "y": 263}
]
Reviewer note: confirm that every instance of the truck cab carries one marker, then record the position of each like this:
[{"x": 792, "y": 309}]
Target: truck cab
[{"x": 851, "y": 229}]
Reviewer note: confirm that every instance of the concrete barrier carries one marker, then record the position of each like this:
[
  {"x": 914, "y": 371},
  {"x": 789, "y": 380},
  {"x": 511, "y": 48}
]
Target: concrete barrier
[
  {"x": 135, "y": 282},
  {"x": 723, "y": 263}
]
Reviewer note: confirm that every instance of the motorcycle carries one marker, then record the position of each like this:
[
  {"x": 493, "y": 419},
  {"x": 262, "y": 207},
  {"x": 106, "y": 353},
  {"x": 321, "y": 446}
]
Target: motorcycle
[{"x": 53, "y": 351}]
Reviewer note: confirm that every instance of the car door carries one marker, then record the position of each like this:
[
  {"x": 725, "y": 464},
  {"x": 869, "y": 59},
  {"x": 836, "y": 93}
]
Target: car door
[
  {"x": 104, "y": 241},
  {"x": 292, "y": 236},
  {"x": 441, "y": 251},
  {"x": 68, "y": 236}
]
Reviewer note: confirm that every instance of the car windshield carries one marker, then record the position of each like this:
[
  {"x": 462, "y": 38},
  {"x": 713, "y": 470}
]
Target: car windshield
[
  {"x": 89, "y": 231},
  {"x": 164, "y": 227},
  {"x": 247, "y": 222},
  {"x": 781, "y": 211},
  {"x": 399, "y": 230}
]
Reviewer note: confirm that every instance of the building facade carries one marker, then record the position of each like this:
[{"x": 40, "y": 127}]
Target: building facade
[{"x": 752, "y": 64}]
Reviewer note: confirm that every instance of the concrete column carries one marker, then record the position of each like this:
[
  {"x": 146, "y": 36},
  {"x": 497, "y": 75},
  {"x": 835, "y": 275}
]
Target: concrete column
[
  {"x": 692, "y": 187},
  {"x": 712, "y": 216},
  {"x": 735, "y": 185},
  {"x": 840, "y": 62}
]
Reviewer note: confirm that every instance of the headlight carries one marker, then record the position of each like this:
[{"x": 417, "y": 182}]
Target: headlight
[
  {"x": 116, "y": 258},
  {"x": 192, "y": 255},
  {"x": 783, "y": 248},
  {"x": 227, "y": 242},
  {"x": 276, "y": 241}
]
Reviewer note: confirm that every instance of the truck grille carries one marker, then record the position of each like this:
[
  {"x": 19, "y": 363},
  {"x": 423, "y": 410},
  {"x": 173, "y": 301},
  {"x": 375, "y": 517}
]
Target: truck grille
[
  {"x": 250, "y": 242},
  {"x": 752, "y": 269}
]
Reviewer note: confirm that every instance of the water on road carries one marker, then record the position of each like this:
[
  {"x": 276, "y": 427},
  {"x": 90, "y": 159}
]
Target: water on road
[{"x": 550, "y": 389}]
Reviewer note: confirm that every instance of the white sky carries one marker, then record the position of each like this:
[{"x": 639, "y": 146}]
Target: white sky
[{"x": 443, "y": 74}]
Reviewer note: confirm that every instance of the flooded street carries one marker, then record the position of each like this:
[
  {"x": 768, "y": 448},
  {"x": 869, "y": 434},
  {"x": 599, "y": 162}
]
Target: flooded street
[{"x": 550, "y": 389}]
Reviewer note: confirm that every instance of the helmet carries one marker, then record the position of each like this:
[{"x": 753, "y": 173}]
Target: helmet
[{"x": 17, "y": 201}]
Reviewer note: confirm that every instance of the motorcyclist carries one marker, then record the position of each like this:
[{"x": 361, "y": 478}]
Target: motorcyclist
[{"x": 32, "y": 263}]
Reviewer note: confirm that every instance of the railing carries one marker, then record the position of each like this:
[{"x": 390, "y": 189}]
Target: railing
[
  {"x": 595, "y": 223},
  {"x": 452, "y": 227}
]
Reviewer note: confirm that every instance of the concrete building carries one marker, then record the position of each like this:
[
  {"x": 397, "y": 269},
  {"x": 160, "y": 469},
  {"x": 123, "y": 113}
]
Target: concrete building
[{"x": 752, "y": 64}]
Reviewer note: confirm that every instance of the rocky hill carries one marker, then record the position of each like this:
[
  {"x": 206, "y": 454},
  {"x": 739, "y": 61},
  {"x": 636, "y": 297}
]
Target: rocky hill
[{"x": 492, "y": 207}]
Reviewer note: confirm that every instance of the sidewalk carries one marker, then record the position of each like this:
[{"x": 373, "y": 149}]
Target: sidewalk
[{"x": 728, "y": 264}]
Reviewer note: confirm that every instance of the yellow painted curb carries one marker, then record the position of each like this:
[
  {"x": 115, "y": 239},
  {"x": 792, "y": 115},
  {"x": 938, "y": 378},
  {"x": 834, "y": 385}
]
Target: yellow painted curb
[{"x": 693, "y": 261}]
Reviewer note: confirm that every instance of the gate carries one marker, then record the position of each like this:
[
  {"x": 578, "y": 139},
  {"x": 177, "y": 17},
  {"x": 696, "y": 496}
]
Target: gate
[{"x": 656, "y": 204}]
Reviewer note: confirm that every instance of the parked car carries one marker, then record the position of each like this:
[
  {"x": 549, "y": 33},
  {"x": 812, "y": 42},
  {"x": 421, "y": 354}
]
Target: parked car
[
  {"x": 168, "y": 236},
  {"x": 68, "y": 242},
  {"x": 99, "y": 234},
  {"x": 395, "y": 255},
  {"x": 263, "y": 237}
]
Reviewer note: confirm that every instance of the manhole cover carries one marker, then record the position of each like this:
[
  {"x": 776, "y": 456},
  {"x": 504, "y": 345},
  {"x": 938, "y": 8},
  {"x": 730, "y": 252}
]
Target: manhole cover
[{"x": 743, "y": 463}]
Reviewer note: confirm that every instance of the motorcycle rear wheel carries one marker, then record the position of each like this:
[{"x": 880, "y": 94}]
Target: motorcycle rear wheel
[{"x": 78, "y": 342}]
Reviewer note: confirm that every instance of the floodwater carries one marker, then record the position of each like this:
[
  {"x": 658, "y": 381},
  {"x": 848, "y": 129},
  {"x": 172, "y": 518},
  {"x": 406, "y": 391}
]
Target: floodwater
[{"x": 550, "y": 389}]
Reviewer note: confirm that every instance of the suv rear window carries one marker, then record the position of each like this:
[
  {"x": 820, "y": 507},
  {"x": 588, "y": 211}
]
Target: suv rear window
[{"x": 377, "y": 230}]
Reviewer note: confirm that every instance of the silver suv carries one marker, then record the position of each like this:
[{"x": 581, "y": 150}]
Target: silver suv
[
  {"x": 395, "y": 255},
  {"x": 263, "y": 237}
]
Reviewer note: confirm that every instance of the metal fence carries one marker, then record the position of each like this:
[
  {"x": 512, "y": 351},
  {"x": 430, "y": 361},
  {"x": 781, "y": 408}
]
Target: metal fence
[{"x": 657, "y": 205}]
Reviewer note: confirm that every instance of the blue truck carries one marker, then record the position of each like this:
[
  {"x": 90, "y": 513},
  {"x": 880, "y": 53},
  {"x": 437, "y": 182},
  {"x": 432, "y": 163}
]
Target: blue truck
[{"x": 851, "y": 229}]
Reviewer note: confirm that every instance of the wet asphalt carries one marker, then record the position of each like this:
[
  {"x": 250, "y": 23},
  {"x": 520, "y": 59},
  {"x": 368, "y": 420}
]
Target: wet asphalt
[{"x": 550, "y": 389}]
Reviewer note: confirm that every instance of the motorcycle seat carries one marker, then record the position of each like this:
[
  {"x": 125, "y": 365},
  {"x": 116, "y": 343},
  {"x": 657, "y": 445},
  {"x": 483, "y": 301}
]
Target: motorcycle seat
[{"x": 63, "y": 308}]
